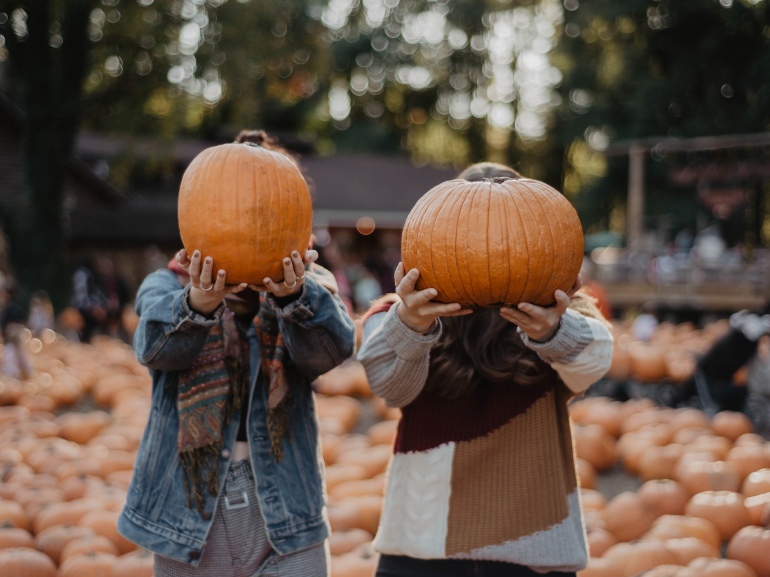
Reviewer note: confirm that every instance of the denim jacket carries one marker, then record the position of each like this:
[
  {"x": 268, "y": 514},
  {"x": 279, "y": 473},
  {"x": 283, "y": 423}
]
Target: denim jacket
[{"x": 318, "y": 333}]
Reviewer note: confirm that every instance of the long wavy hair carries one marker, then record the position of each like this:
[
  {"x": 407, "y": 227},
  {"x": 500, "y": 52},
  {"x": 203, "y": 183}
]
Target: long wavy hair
[{"x": 483, "y": 347}]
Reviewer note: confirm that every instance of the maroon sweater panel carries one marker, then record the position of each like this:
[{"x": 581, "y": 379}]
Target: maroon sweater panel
[{"x": 431, "y": 420}]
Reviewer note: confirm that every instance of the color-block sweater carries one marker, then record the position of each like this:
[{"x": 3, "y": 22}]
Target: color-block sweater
[{"x": 490, "y": 475}]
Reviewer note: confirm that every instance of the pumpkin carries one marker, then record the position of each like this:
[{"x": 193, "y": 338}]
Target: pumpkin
[
  {"x": 725, "y": 509},
  {"x": 27, "y": 562},
  {"x": 96, "y": 564},
  {"x": 499, "y": 241},
  {"x": 627, "y": 516},
  {"x": 664, "y": 496},
  {"x": 750, "y": 545},
  {"x": 705, "y": 567},
  {"x": 247, "y": 207},
  {"x": 345, "y": 541},
  {"x": 15, "y": 537},
  {"x": 138, "y": 563}
]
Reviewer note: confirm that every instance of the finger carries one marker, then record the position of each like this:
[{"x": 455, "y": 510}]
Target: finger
[
  {"x": 195, "y": 267},
  {"x": 576, "y": 286},
  {"x": 206, "y": 274},
  {"x": 272, "y": 287},
  {"x": 398, "y": 276},
  {"x": 531, "y": 310},
  {"x": 236, "y": 288},
  {"x": 440, "y": 310},
  {"x": 311, "y": 256},
  {"x": 410, "y": 280},
  {"x": 219, "y": 283},
  {"x": 422, "y": 297},
  {"x": 298, "y": 266},
  {"x": 183, "y": 258},
  {"x": 289, "y": 276},
  {"x": 562, "y": 301}
]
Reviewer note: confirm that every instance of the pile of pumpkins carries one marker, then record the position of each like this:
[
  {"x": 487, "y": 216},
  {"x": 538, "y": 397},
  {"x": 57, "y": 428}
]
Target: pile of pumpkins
[
  {"x": 668, "y": 354},
  {"x": 702, "y": 503},
  {"x": 69, "y": 435}
]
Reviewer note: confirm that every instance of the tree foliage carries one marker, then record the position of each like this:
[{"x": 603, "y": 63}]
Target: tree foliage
[{"x": 644, "y": 68}]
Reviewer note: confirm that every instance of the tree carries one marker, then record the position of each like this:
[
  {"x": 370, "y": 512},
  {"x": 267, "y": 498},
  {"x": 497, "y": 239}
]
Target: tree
[
  {"x": 48, "y": 48},
  {"x": 643, "y": 68}
]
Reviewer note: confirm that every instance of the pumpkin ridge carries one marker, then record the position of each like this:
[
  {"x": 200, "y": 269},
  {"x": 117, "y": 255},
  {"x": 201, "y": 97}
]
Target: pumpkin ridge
[
  {"x": 431, "y": 278},
  {"x": 537, "y": 268},
  {"x": 447, "y": 208},
  {"x": 413, "y": 239},
  {"x": 493, "y": 262},
  {"x": 524, "y": 269},
  {"x": 506, "y": 255},
  {"x": 469, "y": 258},
  {"x": 545, "y": 297},
  {"x": 419, "y": 233}
]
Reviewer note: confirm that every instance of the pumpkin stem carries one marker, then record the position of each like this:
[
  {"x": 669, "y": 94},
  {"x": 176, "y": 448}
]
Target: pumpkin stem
[
  {"x": 254, "y": 144},
  {"x": 498, "y": 179}
]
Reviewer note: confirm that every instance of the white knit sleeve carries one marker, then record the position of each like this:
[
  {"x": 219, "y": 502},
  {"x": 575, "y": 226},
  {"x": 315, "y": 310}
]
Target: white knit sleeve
[
  {"x": 395, "y": 357},
  {"x": 580, "y": 351}
]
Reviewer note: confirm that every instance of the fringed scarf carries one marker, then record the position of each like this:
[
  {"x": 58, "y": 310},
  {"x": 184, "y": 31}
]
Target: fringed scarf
[{"x": 213, "y": 388}]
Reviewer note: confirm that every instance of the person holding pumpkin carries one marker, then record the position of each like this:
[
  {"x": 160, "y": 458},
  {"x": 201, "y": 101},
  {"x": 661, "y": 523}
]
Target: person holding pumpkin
[
  {"x": 482, "y": 480},
  {"x": 228, "y": 479}
]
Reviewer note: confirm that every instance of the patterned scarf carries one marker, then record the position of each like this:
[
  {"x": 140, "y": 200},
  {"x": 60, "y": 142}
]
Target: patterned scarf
[{"x": 212, "y": 389}]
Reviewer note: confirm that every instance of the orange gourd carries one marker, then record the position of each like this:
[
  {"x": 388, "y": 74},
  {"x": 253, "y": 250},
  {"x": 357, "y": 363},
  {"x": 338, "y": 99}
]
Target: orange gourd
[
  {"x": 27, "y": 562},
  {"x": 750, "y": 545},
  {"x": 706, "y": 567},
  {"x": 97, "y": 564},
  {"x": 725, "y": 509},
  {"x": 15, "y": 537},
  {"x": 502, "y": 240},
  {"x": 247, "y": 207},
  {"x": 138, "y": 563}
]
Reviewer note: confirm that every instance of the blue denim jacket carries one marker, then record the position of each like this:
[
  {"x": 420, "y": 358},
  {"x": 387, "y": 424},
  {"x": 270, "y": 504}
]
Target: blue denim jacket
[{"x": 318, "y": 333}]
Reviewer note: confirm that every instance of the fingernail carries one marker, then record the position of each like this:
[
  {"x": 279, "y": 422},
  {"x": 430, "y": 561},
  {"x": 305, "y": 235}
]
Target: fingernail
[
  {"x": 265, "y": 280},
  {"x": 295, "y": 254},
  {"x": 286, "y": 261},
  {"x": 221, "y": 273},
  {"x": 208, "y": 260},
  {"x": 196, "y": 254}
]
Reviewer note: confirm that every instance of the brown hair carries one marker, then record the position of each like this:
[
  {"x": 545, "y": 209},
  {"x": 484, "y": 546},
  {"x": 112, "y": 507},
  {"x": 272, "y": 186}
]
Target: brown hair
[
  {"x": 265, "y": 140},
  {"x": 481, "y": 170}
]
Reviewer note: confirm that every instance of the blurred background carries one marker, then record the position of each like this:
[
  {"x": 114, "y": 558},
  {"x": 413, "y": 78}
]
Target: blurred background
[{"x": 651, "y": 116}]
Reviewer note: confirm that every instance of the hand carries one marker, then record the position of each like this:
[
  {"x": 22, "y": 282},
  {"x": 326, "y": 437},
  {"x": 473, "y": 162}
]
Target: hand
[
  {"x": 293, "y": 275},
  {"x": 538, "y": 323},
  {"x": 576, "y": 286},
  {"x": 416, "y": 309},
  {"x": 205, "y": 293}
]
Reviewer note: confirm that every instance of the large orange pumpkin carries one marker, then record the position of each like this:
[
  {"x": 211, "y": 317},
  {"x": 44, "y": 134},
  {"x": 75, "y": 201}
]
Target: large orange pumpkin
[
  {"x": 247, "y": 207},
  {"x": 499, "y": 241}
]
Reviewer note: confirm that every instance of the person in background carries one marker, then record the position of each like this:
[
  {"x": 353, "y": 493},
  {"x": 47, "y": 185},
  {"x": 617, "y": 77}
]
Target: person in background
[
  {"x": 41, "y": 315},
  {"x": 482, "y": 480},
  {"x": 12, "y": 323},
  {"x": 228, "y": 479},
  {"x": 89, "y": 300},
  {"x": 645, "y": 323},
  {"x": 712, "y": 387}
]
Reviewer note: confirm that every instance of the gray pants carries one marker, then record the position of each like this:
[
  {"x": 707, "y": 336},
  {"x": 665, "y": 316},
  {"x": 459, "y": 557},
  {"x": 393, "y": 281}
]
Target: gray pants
[{"x": 237, "y": 544}]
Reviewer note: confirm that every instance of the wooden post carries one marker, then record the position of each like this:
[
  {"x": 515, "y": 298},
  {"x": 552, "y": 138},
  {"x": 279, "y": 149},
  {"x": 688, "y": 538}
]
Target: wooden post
[{"x": 635, "y": 208}]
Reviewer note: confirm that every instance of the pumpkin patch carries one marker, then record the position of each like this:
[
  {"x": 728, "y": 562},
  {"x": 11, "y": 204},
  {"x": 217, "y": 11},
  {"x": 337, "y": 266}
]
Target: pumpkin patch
[{"x": 696, "y": 499}]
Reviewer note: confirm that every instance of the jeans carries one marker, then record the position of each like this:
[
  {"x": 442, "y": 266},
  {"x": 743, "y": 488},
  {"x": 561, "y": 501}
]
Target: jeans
[{"x": 398, "y": 566}]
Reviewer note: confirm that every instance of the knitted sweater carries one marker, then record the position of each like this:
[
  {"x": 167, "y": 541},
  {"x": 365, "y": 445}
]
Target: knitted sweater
[{"x": 490, "y": 475}]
